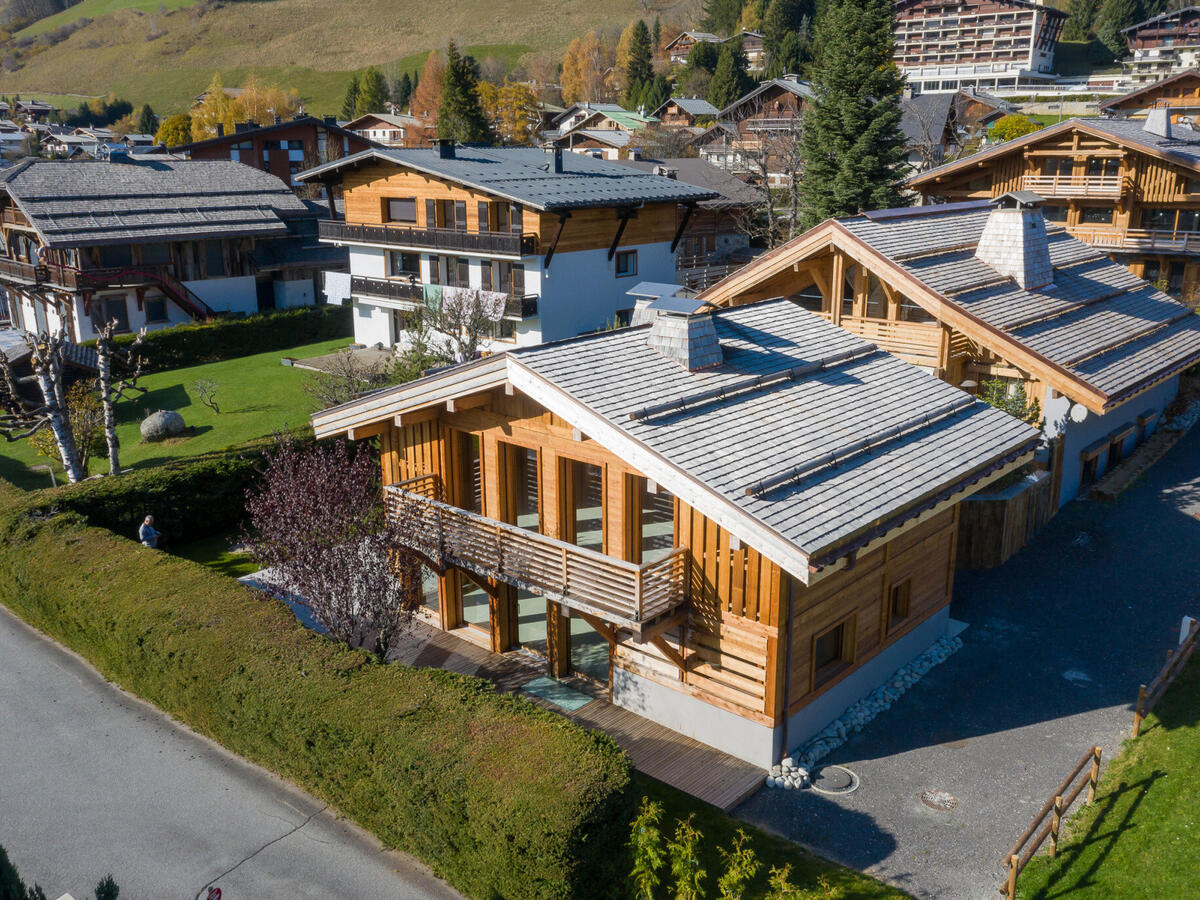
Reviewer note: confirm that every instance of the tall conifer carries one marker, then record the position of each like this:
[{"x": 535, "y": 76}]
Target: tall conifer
[{"x": 460, "y": 115}]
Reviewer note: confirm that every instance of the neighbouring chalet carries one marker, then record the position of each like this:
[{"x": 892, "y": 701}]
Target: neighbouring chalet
[
  {"x": 1163, "y": 46},
  {"x": 559, "y": 235},
  {"x": 152, "y": 242},
  {"x": 388, "y": 130},
  {"x": 742, "y": 142},
  {"x": 945, "y": 45},
  {"x": 987, "y": 291},
  {"x": 282, "y": 149},
  {"x": 564, "y": 120},
  {"x": 752, "y": 46},
  {"x": 34, "y": 110},
  {"x": 604, "y": 133},
  {"x": 678, "y": 49},
  {"x": 684, "y": 112},
  {"x": 1129, "y": 187},
  {"x": 1179, "y": 93},
  {"x": 739, "y": 523},
  {"x": 937, "y": 126}
]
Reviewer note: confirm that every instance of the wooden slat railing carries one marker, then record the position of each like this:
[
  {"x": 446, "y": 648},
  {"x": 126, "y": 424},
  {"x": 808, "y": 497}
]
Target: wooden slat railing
[
  {"x": 915, "y": 341},
  {"x": 1138, "y": 238},
  {"x": 1081, "y": 186},
  {"x": 23, "y": 271},
  {"x": 1055, "y": 809},
  {"x": 619, "y": 592},
  {"x": 500, "y": 242},
  {"x": 1149, "y": 695}
]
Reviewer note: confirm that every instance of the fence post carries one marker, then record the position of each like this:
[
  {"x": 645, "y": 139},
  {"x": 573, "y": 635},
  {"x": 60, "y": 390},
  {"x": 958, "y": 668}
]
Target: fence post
[
  {"x": 1094, "y": 776},
  {"x": 1014, "y": 862},
  {"x": 1137, "y": 713},
  {"x": 1055, "y": 823}
]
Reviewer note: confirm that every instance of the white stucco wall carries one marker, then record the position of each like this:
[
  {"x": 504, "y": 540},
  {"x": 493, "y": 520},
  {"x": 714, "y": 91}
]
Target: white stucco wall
[
  {"x": 294, "y": 293},
  {"x": 372, "y": 324},
  {"x": 237, "y": 295}
]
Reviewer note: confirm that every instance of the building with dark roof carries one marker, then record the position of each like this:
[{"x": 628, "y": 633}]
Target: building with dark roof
[
  {"x": 736, "y": 523},
  {"x": 988, "y": 291},
  {"x": 941, "y": 125},
  {"x": 1165, "y": 45},
  {"x": 550, "y": 237},
  {"x": 1130, "y": 187},
  {"x": 753, "y": 134},
  {"x": 683, "y": 112},
  {"x": 151, "y": 242},
  {"x": 1180, "y": 93},
  {"x": 390, "y": 130}
]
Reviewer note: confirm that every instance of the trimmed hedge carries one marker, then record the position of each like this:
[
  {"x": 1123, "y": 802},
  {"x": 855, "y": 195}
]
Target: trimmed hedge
[
  {"x": 220, "y": 339},
  {"x": 499, "y": 797},
  {"x": 189, "y": 498}
]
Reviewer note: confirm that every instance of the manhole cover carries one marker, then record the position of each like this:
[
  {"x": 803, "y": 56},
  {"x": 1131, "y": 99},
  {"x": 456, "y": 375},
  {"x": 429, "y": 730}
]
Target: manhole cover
[
  {"x": 834, "y": 780},
  {"x": 939, "y": 800}
]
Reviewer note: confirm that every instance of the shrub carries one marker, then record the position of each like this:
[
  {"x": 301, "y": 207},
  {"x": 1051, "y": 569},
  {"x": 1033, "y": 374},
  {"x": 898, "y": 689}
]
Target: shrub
[
  {"x": 220, "y": 339},
  {"x": 499, "y": 797}
]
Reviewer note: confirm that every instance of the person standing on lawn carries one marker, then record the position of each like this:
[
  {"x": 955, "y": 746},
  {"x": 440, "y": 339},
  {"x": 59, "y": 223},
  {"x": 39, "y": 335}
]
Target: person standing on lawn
[{"x": 147, "y": 533}]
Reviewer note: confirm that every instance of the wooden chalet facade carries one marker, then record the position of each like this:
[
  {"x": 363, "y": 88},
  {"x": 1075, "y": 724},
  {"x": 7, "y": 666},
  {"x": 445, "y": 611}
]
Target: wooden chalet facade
[
  {"x": 557, "y": 236},
  {"x": 151, "y": 243},
  {"x": 989, "y": 291},
  {"x": 1128, "y": 187},
  {"x": 388, "y": 130},
  {"x": 603, "y": 133},
  {"x": 684, "y": 112},
  {"x": 749, "y": 127},
  {"x": 1165, "y": 45},
  {"x": 945, "y": 45},
  {"x": 679, "y": 48},
  {"x": 564, "y": 500},
  {"x": 1179, "y": 93}
]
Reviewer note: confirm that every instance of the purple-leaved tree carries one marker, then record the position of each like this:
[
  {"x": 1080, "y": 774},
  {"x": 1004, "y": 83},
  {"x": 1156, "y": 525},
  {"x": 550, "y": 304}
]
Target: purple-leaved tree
[{"x": 317, "y": 521}]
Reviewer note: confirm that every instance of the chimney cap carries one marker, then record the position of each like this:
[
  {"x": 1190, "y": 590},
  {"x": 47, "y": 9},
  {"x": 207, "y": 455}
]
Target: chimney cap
[
  {"x": 1158, "y": 122},
  {"x": 1019, "y": 200}
]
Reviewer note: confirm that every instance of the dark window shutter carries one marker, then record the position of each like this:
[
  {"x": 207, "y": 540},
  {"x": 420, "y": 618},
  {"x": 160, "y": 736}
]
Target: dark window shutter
[
  {"x": 460, "y": 215},
  {"x": 483, "y": 216},
  {"x": 431, "y": 214},
  {"x": 518, "y": 279},
  {"x": 516, "y": 224}
]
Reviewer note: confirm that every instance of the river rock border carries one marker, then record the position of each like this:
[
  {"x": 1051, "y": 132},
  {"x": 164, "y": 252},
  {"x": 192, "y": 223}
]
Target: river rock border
[{"x": 793, "y": 771}]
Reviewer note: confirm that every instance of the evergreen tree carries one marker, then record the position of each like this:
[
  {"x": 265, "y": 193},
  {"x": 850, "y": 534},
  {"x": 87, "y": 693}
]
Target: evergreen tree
[
  {"x": 147, "y": 122},
  {"x": 726, "y": 84},
  {"x": 1083, "y": 18},
  {"x": 460, "y": 115},
  {"x": 722, "y": 16},
  {"x": 656, "y": 34},
  {"x": 639, "y": 68},
  {"x": 851, "y": 144},
  {"x": 704, "y": 55},
  {"x": 372, "y": 93},
  {"x": 404, "y": 89},
  {"x": 657, "y": 92},
  {"x": 1114, "y": 17},
  {"x": 350, "y": 103},
  {"x": 783, "y": 18}
]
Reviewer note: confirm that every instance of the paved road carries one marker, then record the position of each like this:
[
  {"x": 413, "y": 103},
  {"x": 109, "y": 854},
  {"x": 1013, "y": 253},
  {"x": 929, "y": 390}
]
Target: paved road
[
  {"x": 1058, "y": 640},
  {"x": 93, "y": 780}
]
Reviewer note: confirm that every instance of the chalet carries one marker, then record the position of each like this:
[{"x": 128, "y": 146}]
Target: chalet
[
  {"x": 1129, "y": 187},
  {"x": 945, "y": 45},
  {"x": 557, "y": 235},
  {"x": 69, "y": 146},
  {"x": 987, "y": 291},
  {"x": 768, "y": 114},
  {"x": 34, "y": 110},
  {"x": 678, "y": 49},
  {"x": 1180, "y": 94},
  {"x": 574, "y": 115},
  {"x": 683, "y": 112},
  {"x": 752, "y": 46},
  {"x": 937, "y": 126},
  {"x": 388, "y": 130},
  {"x": 633, "y": 507},
  {"x": 1162, "y": 46},
  {"x": 8, "y": 126},
  {"x": 604, "y": 133},
  {"x": 282, "y": 149},
  {"x": 151, "y": 243}
]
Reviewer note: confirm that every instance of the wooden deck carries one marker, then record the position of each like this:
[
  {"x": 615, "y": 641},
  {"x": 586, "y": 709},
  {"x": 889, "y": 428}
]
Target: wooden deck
[{"x": 687, "y": 765}]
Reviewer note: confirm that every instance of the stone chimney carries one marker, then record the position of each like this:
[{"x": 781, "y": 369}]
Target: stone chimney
[
  {"x": 1158, "y": 122},
  {"x": 1014, "y": 240},
  {"x": 688, "y": 338}
]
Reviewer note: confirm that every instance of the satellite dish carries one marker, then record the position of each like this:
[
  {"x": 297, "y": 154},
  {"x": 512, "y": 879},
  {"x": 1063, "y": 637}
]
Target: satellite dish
[
  {"x": 1079, "y": 413},
  {"x": 1057, "y": 409}
]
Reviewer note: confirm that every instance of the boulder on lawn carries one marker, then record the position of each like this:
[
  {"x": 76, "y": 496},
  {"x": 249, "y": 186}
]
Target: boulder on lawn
[{"x": 161, "y": 425}]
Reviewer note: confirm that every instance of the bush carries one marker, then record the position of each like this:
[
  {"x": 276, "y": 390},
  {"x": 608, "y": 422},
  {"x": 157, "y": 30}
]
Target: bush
[
  {"x": 499, "y": 797},
  {"x": 209, "y": 342}
]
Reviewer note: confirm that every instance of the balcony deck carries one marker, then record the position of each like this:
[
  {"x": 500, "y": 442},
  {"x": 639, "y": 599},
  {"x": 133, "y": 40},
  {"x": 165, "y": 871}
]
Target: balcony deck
[
  {"x": 492, "y": 243},
  {"x": 629, "y": 596},
  {"x": 1075, "y": 186},
  {"x": 1138, "y": 239},
  {"x": 517, "y": 307}
]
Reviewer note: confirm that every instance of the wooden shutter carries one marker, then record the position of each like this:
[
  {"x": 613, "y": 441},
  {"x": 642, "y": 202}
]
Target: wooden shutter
[
  {"x": 518, "y": 280},
  {"x": 483, "y": 216},
  {"x": 460, "y": 215},
  {"x": 515, "y": 224},
  {"x": 431, "y": 214}
]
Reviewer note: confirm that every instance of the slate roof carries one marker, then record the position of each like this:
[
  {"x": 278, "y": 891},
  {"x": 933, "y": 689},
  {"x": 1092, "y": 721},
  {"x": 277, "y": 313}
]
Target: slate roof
[
  {"x": 693, "y": 106},
  {"x": 255, "y": 130},
  {"x": 614, "y": 137},
  {"x": 693, "y": 170},
  {"x": 526, "y": 175},
  {"x": 1114, "y": 102},
  {"x": 924, "y": 117},
  {"x": 799, "y": 88},
  {"x": 1170, "y": 13},
  {"x": 148, "y": 199},
  {"x": 1097, "y": 321}
]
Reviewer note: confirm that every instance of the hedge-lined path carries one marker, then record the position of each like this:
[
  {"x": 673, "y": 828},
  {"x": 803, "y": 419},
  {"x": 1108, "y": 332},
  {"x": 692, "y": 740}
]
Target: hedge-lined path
[
  {"x": 657, "y": 751},
  {"x": 93, "y": 780}
]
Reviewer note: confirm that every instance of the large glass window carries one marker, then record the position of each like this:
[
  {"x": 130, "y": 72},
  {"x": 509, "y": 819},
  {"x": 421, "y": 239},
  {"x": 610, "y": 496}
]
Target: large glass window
[
  {"x": 1096, "y": 215},
  {"x": 470, "y": 483},
  {"x": 403, "y": 210},
  {"x": 476, "y": 611},
  {"x": 401, "y": 264},
  {"x": 1158, "y": 218},
  {"x": 1101, "y": 167},
  {"x": 655, "y": 528},
  {"x": 107, "y": 309},
  {"x": 583, "y": 495}
]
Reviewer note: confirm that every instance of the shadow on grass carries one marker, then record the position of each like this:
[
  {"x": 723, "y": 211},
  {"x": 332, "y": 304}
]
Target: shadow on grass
[{"x": 1097, "y": 842}]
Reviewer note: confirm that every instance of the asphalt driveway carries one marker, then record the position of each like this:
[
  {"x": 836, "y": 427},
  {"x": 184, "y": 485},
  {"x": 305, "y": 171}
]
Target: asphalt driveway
[
  {"x": 93, "y": 780},
  {"x": 1058, "y": 640}
]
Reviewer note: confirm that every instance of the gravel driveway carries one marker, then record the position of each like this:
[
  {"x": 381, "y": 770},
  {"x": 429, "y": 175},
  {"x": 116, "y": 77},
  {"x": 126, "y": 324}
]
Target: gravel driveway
[{"x": 1058, "y": 640}]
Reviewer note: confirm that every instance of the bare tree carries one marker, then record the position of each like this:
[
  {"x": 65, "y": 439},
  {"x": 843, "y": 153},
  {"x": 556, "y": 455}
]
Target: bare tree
[
  {"x": 318, "y": 523},
  {"x": 466, "y": 317},
  {"x": 21, "y": 417},
  {"x": 347, "y": 376},
  {"x": 111, "y": 391}
]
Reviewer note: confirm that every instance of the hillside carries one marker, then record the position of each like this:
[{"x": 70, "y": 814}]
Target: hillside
[{"x": 138, "y": 51}]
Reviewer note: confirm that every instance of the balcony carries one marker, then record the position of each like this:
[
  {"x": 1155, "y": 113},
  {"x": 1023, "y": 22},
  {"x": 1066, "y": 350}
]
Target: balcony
[
  {"x": 621, "y": 593},
  {"x": 442, "y": 239},
  {"x": 1076, "y": 186},
  {"x": 1139, "y": 239},
  {"x": 15, "y": 270},
  {"x": 517, "y": 306}
]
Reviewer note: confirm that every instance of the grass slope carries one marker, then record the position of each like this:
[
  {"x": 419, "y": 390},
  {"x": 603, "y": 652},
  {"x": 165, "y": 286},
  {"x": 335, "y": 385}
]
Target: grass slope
[
  {"x": 311, "y": 45},
  {"x": 1139, "y": 838},
  {"x": 90, "y": 9},
  {"x": 256, "y": 394}
]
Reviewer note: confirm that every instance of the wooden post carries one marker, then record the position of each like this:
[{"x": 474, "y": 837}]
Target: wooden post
[
  {"x": 1055, "y": 824},
  {"x": 1094, "y": 776},
  {"x": 1014, "y": 862},
  {"x": 1137, "y": 712}
]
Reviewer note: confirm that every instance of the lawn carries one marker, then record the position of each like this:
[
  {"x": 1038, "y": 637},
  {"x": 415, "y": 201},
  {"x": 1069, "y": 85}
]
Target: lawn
[
  {"x": 1139, "y": 838},
  {"x": 214, "y": 552},
  {"x": 90, "y": 9},
  {"x": 256, "y": 395}
]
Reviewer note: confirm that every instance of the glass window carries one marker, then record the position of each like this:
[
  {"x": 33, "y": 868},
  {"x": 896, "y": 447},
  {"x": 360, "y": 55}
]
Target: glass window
[
  {"x": 1063, "y": 168},
  {"x": 1157, "y": 218},
  {"x": 485, "y": 275},
  {"x": 402, "y": 210},
  {"x": 583, "y": 504},
  {"x": 476, "y": 608},
  {"x": 115, "y": 256},
  {"x": 470, "y": 485},
  {"x": 106, "y": 309},
  {"x": 626, "y": 263},
  {"x": 462, "y": 272},
  {"x": 460, "y": 215},
  {"x": 1056, "y": 213},
  {"x": 899, "y": 597},
  {"x": 1102, "y": 167},
  {"x": 156, "y": 254},
  {"x": 214, "y": 261},
  {"x": 156, "y": 309},
  {"x": 515, "y": 218},
  {"x": 401, "y": 264},
  {"x": 505, "y": 330},
  {"x": 429, "y": 589},
  {"x": 910, "y": 312},
  {"x": 435, "y": 270},
  {"x": 501, "y": 211},
  {"x": 832, "y": 651},
  {"x": 656, "y": 522},
  {"x": 1189, "y": 220},
  {"x": 1096, "y": 215}
]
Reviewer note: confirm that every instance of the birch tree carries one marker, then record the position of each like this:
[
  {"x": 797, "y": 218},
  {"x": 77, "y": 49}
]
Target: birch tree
[
  {"x": 111, "y": 391},
  {"x": 465, "y": 318}
]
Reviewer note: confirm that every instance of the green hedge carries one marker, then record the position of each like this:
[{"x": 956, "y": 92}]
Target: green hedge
[
  {"x": 189, "y": 498},
  {"x": 499, "y": 797},
  {"x": 209, "y": 342}
]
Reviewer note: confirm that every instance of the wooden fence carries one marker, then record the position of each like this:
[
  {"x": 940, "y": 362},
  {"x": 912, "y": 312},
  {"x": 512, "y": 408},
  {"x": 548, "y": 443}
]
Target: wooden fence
[
  {"x": 1055, "y": 809},
  {"x": 1149, "y": 695}
]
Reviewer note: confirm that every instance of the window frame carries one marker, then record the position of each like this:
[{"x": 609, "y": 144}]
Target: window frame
[
  {"x": 828, "y": 672},
  {"x": 897, "y": 595},
  {"x": 626, "y": 255},
  {"x": 390, "y": 217},
  {"x": 166, "y": 316}
]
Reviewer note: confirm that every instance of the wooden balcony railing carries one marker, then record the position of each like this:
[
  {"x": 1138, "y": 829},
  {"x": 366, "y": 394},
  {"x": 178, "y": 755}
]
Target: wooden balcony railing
[
  {"x": 517, "y": 306},
  {"x": 445, "y": 239},
  {"x": 1148, "y": 239},
  {"x": 21, "y": 271},
  {"x": 624, "y": 594},
  {"x": 915, "y": 342},
  {"x": 1076, "y": 186},
  {"x": 11, "y": 216}
]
